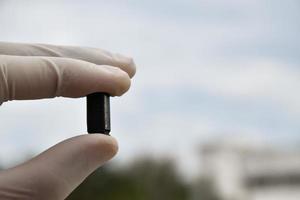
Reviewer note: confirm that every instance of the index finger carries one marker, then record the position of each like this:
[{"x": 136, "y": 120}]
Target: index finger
[{"x": 93, "y": 55}]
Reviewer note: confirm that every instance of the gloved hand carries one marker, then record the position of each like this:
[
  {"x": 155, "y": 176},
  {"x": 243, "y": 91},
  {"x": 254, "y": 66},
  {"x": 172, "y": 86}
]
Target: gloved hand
[{"x": 35, "y": 71}]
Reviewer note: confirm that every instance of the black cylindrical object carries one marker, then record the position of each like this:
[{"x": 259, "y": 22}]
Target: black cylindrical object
[{"x": 98, "y": 113}]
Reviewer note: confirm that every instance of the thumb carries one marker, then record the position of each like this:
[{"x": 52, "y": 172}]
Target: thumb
[{"x": 55, "y": 173}]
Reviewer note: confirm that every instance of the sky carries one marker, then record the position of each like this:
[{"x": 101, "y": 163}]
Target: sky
[{"x": 206, "y": 70}]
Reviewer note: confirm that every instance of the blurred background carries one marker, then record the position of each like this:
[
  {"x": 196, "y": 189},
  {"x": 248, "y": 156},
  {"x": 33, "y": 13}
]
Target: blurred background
[{"x": 213, "y": 112}]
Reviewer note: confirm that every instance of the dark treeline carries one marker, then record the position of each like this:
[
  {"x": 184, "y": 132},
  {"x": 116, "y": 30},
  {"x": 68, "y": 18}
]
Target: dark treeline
[{"x": 145, "y": 179}]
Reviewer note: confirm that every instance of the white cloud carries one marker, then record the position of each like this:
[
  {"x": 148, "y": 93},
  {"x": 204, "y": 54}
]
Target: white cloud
[{"x": 259, "y": 80}]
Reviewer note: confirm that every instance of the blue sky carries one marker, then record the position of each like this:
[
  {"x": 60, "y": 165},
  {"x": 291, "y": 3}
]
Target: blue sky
[{"x": 206, "y": 69}]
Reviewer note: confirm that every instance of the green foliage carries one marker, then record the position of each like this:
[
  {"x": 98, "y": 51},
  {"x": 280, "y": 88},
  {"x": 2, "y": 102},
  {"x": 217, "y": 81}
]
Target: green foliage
[{"x": 142, "y": 180}]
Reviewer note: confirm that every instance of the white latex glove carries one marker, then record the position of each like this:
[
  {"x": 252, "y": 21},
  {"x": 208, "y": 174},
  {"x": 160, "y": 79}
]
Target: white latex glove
[{"x": 35, "y": 71}]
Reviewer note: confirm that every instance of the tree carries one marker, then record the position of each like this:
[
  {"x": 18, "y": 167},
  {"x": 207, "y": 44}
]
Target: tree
[{"x": 142, "y": 180}]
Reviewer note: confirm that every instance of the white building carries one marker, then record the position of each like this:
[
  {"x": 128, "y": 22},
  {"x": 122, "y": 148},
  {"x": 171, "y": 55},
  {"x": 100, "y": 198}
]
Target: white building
[{"x": 243, "y": 171}]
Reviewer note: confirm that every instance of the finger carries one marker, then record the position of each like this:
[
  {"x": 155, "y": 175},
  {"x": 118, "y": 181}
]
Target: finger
[
  {"x": 93, "y": 55},
  {"x": 45, "y": 77},
  {"x": 55, "y": 173}
]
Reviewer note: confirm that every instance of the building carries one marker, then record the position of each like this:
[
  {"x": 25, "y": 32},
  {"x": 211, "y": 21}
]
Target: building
[{"x": 248, "y": 171}]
